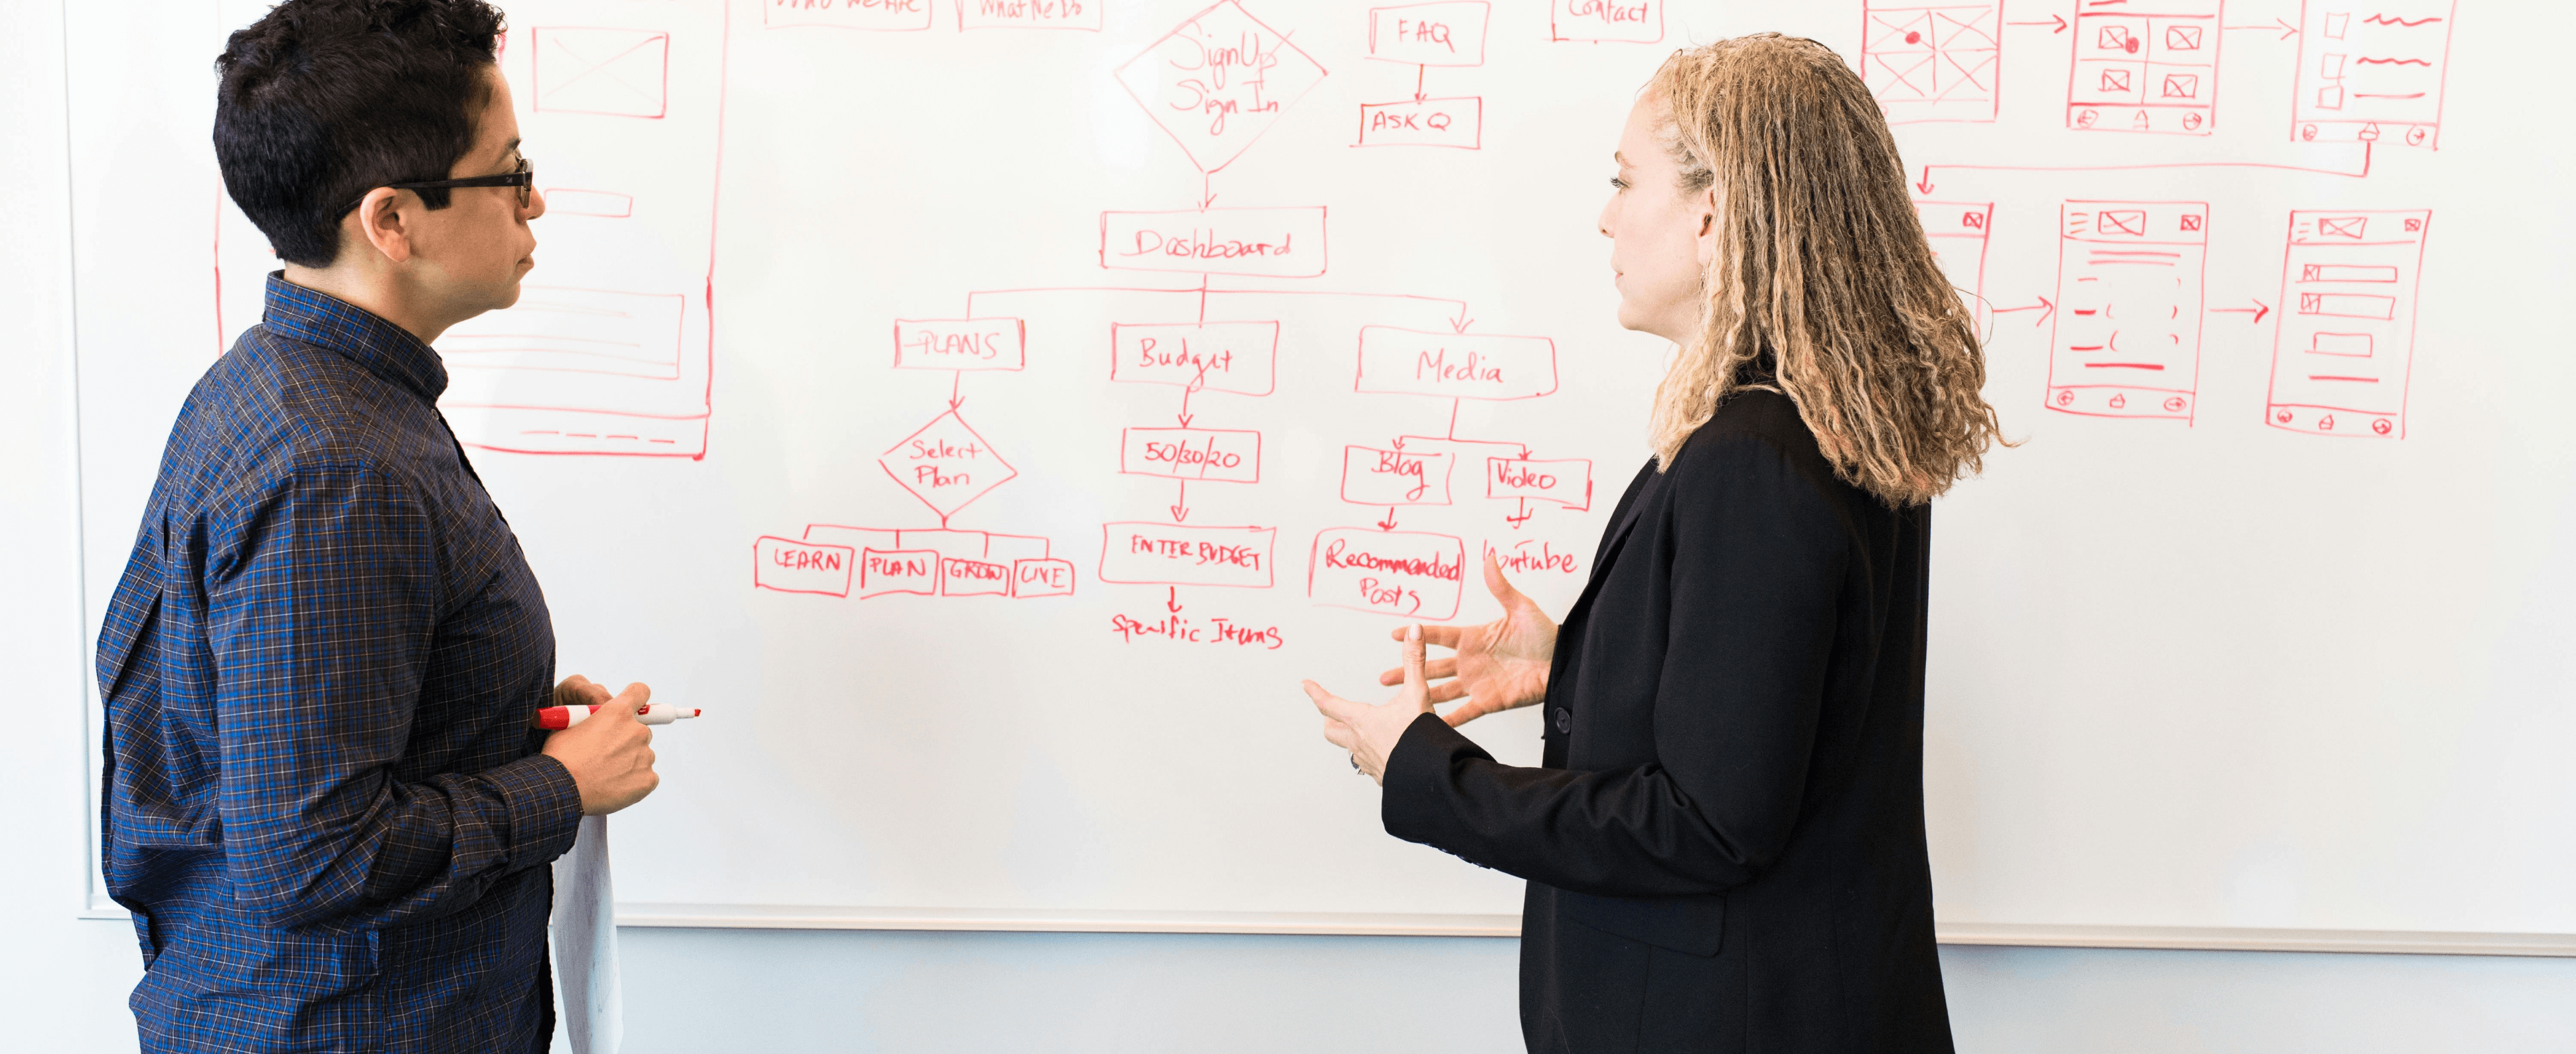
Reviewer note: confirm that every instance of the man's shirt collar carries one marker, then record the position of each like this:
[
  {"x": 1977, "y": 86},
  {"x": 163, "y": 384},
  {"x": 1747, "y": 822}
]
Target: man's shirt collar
[{"x": 384, "y": 349}]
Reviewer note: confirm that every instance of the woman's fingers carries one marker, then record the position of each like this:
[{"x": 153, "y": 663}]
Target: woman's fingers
[
  {"x": 1333, "y": 706},
  {"x": 1446, "y": 691},
  {"x": 1499, "y": 586},
  {"x": 1413, "y": 678},
  {"x": 1443, "y": 636},
  {"x": 1474, "y": 709},
  {"x": 1431, "y": 671},
  {"x": 1341, "y": 735}
]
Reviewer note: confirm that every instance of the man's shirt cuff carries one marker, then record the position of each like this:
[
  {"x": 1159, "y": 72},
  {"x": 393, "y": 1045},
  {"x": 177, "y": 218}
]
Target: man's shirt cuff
[{"x": 544, "y": 807}]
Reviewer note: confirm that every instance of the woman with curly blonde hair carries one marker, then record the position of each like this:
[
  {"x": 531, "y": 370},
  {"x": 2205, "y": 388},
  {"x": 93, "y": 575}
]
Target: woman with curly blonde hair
[{"x": 1725, "y": 844}]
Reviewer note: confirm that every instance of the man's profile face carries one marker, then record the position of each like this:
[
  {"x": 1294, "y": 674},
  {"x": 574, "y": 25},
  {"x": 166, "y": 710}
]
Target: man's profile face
[{"x": 476, "y": 249}]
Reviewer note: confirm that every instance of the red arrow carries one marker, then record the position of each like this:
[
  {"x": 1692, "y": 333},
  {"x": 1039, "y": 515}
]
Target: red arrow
[
  {"x": 2287, "y": 30},
  {"x": 1418, "y": 71},
  {"x": 1185, "y": 414},
  {"x": 2259, "y": 310},
  {"x": 1181, "y": 511},
  {"x": 954, "y": 399},
  {"x": 1387, "y": 524},
  {"x": 2061, "y": 24},
  {"x": 1207, "y": 193},
  {"x": 1460, "y": 323},
  {"x": 1925, "y": 184},
  {"x": 1173, "y": 604},
  {"x": 2044, "y": 308},
  {"x": 1517, "y": 521}
]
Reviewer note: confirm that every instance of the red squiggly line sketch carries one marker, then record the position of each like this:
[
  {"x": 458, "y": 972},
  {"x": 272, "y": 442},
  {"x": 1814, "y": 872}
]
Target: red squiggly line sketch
[{"x": 2363, "y": 80}]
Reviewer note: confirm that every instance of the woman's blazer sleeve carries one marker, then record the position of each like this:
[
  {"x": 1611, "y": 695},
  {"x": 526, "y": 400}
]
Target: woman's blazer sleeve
[{"x": 1759, "y": 552}]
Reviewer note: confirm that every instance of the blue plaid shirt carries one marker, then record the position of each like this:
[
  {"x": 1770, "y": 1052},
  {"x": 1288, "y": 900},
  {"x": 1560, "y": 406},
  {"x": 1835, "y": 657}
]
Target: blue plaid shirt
[{"x": 324, "y": 803}]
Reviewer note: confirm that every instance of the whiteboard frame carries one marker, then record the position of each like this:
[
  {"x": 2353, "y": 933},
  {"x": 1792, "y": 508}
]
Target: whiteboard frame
[
  {"x": 2025, "y": 935},
  {"x": 96, "y": 905},
  {"x": 1329, "y": 924}
]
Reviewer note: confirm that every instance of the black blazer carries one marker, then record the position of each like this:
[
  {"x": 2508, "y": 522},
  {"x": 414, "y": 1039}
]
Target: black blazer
[{"x": 1725, "y": 847}]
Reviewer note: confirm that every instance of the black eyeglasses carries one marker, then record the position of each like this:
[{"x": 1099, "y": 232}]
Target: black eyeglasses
[{"x": 524, "y": 177}]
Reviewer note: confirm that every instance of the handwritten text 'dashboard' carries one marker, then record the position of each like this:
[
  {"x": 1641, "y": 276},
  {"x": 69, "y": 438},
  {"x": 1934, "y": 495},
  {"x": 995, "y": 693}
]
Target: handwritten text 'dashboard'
[{"x": 1277, "y": 243}]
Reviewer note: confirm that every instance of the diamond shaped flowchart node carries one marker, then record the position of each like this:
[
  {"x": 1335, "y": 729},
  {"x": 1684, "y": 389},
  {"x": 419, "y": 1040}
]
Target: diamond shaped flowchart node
[
  {"x": 946, "y": 465},
  {"x": 1218, "y": 81}
]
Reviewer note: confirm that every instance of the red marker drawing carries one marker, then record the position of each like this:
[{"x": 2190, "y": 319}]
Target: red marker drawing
[{"x": 558, "y": 717}]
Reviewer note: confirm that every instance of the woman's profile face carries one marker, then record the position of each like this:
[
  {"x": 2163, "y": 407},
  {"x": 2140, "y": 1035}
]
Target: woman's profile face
[{"x": 1658, "y": 234}]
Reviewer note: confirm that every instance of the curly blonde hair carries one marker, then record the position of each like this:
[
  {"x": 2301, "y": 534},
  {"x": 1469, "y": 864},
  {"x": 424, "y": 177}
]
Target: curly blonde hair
[{"x": 1822, "y": 286}]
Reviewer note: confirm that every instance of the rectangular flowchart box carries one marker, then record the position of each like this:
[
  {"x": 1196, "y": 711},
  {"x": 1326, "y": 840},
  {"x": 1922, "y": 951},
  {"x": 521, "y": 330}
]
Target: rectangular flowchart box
[
  {"x": 1455, "y": 365},
  {"x": 1215, "y": 454},
  {"x": 1395, "y": 477},
  {"x": 1439, "y": 34},
  {"x": 1160, "y": 554},
  {"x": 1029, "y": 14},
  {"x": 1238, "y": 357},
  {"x": 895, "y": 15},
  {"x": 963, "y": 577},
  {"x": 1623, "y": 21},
  {"x": 1272, "y": 242},
  {"x": 960, "y": 343},
  {"x": 883, "y": 571},
  {"x": 1457, "y": 122},
  {"x": 1041, "y": 578},
  {"x": 1406, "y": 573},
  {"x": 1567, "y": 482},
  {"x": 941, "y": 562},
  {"x": 791, "y": 566}
]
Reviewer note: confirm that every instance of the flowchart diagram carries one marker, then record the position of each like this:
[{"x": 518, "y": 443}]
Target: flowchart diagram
[
  {"x": 1215, "y": 301},
  {"x": 2130, "y": 306}
]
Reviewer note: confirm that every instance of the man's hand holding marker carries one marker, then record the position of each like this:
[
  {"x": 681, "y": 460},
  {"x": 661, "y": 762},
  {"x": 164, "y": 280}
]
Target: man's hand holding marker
[
  {"x": 604, "y": 742},
  {"x": 558, "y": 718}
]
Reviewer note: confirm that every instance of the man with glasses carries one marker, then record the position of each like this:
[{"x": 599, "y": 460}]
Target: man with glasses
[{"x": 325, "y": 803}]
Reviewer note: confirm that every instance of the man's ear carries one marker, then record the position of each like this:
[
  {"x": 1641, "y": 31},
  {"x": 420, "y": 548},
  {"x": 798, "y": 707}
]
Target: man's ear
[
  {"x": 1707, "y": 208},
  {"x": 379, "y": 219}
]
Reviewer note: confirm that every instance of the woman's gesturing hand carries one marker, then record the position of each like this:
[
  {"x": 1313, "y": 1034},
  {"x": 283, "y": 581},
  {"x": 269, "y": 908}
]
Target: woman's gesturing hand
[
  {"x": 1370, "y": 732},
  {"x": 1499, "y": 665}
]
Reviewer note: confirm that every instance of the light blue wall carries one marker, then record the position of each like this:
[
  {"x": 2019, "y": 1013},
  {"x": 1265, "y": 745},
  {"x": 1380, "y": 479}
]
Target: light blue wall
[
  {"x": 961, "y": 993},
  {"x": 63, "y": 980}
]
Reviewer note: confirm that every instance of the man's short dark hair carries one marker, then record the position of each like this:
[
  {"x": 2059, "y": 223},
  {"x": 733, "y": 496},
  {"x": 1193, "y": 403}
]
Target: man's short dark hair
[{"x": 324, "y": 100}]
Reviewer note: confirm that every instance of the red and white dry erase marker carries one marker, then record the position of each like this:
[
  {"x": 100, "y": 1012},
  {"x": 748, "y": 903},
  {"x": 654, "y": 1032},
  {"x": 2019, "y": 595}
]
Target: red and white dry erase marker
[{"x": 568, "y": 716}]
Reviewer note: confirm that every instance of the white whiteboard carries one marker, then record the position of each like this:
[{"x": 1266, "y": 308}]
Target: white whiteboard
[{"x": 2235, "y": 642}]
